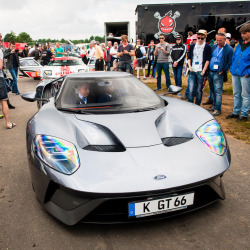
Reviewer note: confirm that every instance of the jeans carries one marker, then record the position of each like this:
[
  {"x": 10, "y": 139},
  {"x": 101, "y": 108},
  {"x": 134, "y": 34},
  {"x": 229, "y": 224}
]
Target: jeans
[
  {"x": 125, "y": 66},
  {"x": 165, "y": 68},
  {"x": 108, "y": 65},
  {"x": 216, "y": 88},
  {"x": 151, "y": 63},
  {"x": 14, "y": 72},
  {"x": 241, "y": 91},
  {"x": 178, "y": 75},
  {"x": 195, "y": 80}
]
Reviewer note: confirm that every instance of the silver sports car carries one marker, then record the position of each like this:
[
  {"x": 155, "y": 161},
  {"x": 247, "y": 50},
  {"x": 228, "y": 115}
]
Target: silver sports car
[{"x": 106, "y": 148}]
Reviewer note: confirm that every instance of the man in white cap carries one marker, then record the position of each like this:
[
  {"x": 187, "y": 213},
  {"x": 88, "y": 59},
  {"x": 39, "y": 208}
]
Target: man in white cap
[{"x": 199, "y": 56}]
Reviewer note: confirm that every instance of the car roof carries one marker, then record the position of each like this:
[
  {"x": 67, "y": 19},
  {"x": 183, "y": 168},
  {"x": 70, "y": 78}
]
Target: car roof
[{"x": 98, "y": 74}]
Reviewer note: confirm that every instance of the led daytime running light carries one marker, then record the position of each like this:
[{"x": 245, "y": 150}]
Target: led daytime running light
[
  {"x": 57, "y": 153},
  {"x": 212, "y": 136}
]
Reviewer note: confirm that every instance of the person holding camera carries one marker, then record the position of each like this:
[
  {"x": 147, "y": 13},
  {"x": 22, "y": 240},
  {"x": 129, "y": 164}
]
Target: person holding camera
[
  {"x": 125, "y": 52},
  {"x": 12, "y": 56}
]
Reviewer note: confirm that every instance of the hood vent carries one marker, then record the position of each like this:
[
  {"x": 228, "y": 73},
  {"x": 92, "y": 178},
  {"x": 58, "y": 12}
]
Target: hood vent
[{"x": 173, "y": 141}]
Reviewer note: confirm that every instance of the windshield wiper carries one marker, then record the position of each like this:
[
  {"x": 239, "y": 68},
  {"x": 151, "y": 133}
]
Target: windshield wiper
[{"x": 80, "y": 111}]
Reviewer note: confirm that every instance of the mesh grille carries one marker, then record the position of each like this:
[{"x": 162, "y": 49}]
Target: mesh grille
[
  {"x": 105, "y": 148},
  {"x": 172, "y": 141}
]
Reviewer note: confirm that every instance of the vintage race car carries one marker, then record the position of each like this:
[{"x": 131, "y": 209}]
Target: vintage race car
[
  {"x": 106, "y": 149},
  {"x": 60, "y": 66},
  {"x": 29, "y": 67}
]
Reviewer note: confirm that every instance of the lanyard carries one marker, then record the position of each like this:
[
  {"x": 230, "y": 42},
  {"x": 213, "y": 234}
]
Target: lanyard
[{"x": 218, "y": 53}]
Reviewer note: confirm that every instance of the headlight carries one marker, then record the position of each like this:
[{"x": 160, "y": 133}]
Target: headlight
[
  {"x": 212, "y": 136},
  {"x": 57, "y": 153},
  {"x": 48, "y": 72}
]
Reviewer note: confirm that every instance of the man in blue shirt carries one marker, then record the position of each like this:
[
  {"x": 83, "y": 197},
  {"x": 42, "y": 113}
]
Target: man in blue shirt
[{"x": 221, "y": 60}]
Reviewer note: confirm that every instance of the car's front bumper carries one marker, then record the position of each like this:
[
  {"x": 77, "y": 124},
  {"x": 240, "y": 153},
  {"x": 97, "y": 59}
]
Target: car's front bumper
[{"x": 71, "y": 207}]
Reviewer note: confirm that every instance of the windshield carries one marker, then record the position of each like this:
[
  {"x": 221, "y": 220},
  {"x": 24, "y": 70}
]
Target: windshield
[
  {"x": 66, "y": 62},
  {"x": 104, "y": 95}
]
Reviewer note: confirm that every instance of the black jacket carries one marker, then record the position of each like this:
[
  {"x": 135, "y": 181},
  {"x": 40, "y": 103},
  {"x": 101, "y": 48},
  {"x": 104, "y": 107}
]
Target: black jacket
[
  {"x": 36, "y": 53},
  {"x": 9, "y": 56},
  {"x": 151, "y": 54},
  {"x": 46, "y": 56},
  {"x": 178, "y": 53},
  {"x": 207, "y": 54}
]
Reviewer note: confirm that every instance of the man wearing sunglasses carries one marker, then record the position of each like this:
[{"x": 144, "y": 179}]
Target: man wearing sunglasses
[
  {"x": 220, "y": 62},
  {"x": 162, "y": 52},
  {"x": 199, "y": 56}
]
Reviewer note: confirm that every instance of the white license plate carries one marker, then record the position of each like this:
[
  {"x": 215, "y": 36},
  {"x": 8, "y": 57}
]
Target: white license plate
[{"x": 157, "y": 206}]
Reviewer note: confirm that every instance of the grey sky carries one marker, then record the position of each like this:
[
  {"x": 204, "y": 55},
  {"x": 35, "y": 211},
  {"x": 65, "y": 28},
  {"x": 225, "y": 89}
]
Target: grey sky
[{"x": 69, "y": 19}]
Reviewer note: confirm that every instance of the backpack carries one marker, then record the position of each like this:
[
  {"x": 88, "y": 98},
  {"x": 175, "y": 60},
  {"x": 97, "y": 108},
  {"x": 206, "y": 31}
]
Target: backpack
[{"x": 138, "y": 52}]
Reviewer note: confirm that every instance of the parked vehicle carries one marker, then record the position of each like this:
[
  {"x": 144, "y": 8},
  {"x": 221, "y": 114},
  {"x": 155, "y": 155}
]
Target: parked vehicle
[{"x": 124, "y": 155}]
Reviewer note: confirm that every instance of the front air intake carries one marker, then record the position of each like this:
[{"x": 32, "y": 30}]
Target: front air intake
[{"x": 173, "y": 141}]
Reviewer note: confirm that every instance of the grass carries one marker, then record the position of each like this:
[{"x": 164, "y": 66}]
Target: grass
[{"x": 239, "y": 130}]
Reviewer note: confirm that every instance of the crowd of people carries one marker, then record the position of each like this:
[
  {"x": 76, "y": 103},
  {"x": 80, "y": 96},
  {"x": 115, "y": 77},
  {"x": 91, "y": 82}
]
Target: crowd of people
[{"x": 202, "y": 60}]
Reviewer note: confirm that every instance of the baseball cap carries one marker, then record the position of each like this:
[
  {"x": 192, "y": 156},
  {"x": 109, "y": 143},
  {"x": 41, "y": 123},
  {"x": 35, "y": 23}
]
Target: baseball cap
[
  {"x": 178, "y": 36},
  {"x": 26, "y": 45},
  {"x": 93, "y": 42},
  {"x": 202, "y": 32},
  {"x": 37, "y": 45},
  {"x": 228, "y": 35},
  {"x": 194, "y": 37}
]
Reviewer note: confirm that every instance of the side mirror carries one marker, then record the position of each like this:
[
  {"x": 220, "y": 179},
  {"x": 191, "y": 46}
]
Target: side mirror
[
  {"x": 29, "y": 97},
  {"x": 172, "y": 90}
]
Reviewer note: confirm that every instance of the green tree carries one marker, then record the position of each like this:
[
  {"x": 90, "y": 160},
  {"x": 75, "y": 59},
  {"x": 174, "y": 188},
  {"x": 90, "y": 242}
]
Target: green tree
[
  {"x": 63, "y": 40},
  {"x": 10, "y": 37},
  {"x": 24, "y": 37}
]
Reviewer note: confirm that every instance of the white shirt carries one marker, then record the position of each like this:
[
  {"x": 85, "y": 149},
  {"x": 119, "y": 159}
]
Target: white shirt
[
  {"x": 91, "y": 52},
  {"x": 114, "y": 50},
  {"x": 198, "y": 57},
  {"x": 81, "y": 97}
]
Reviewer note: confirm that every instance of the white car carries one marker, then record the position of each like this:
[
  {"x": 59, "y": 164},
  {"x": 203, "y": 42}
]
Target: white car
[
  {"x": 30, "y": 68},
  {"x": 60, "y": 66}
]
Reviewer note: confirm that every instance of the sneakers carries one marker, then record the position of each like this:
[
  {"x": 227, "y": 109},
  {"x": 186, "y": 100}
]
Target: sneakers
[
  {"x": 11, "y": 106},
  {"x": 144, "y": 78},
  {"x": 184, "y": 98},
  {"x": 157, "y": 89},
  {"x": 211, "y": 108},
  {"x": 138, "y": 77},
  {"x": 179, "y": 95},
  {"x": 242, "y": 119},
  {"x": 216, "y": 113},
  {"x": 232, "y": 116},
  {"x": 207, "y": 102}
]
